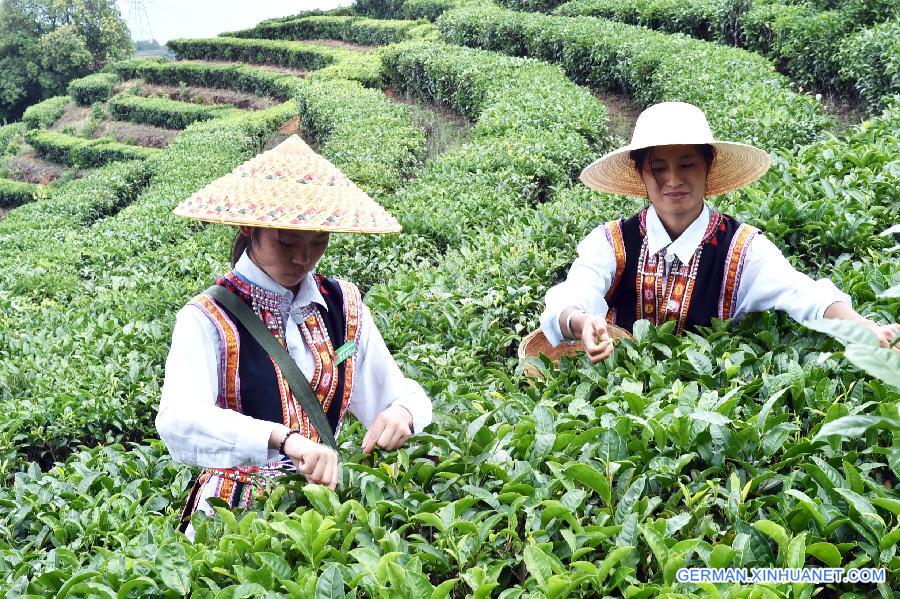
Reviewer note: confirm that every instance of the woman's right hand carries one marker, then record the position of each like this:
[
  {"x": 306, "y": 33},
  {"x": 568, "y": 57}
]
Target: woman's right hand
[
  {"x": 594, "y": 337},
  {"x": 317, "y": 462}
]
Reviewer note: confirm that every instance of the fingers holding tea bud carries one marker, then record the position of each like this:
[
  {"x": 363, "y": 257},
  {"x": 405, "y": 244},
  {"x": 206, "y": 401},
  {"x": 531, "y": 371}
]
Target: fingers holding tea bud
[{"x": 596, "y": 340}]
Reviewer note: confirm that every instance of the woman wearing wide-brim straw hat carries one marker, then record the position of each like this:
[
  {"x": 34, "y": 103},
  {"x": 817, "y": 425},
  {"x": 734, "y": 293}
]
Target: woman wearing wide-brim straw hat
[
  {"x": 265, "y": 363},
  {"x": 679, "y": 259}
]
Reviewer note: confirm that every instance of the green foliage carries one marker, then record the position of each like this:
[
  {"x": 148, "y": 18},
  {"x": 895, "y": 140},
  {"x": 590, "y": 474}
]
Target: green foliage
[
  {"x": 380, "y": 9},
  {"x": 76, "y": 151},
  {"x": 368, "y": 135},
  {"x": 869, "y": 60},
  {"x": 237, "y": 77},
  {"x": 101, "y": 500},
  {"x": 799, "y": 39},
  {"x": 407, "y": 9},
  {"x": 78, "y": 204},
  {"x": 741, "y": 95},
  {"x": 336, "y": 62},
  {"x": 64, "y": 52},
  {"x": 93, "y": 88},
  {"x": 163, "y": 112},
  {"x": 44, "y": 114},
  {"x": 16, "y": 193},
  {"x": 530, "y": 5},
  {"x": 862, "y": 349},
  {"x": 10, "y": 136},
  {"x": 713, "y": 20},
  {"x": 813, "y": 42},
  {"x": 827, "y": 202},
  {"x": 357, "y": 30},
  {"x": 342, "y": 11},
  {"x": 45, "y": 44},
  {"x": 78, "y": 272},
  {"x": 526, "y": 138},
  {"x": 754, "y": 444},
  {"x": 863, "y": 12},
  {"x": 294, "y": 55},
  {"x": 430, "y": 9},
  {"x": 354, "y": 66}
]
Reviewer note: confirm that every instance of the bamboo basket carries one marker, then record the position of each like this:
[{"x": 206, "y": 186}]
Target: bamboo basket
[{"x": 536, "y": 344}]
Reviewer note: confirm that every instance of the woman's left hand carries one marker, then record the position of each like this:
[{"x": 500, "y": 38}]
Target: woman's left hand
[
  {"x": 885, "y": 333},
  {"x": 390, "y": 430}
]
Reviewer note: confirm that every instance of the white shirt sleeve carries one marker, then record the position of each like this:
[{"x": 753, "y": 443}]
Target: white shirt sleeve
[
  {"x": 195, "y": 430},
  {"x": 379, "y": 382},
  {"x": 585, "y": 286},
  {"x": 771, "y": 282}
]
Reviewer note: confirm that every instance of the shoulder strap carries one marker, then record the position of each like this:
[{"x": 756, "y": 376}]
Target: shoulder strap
[{"x": 296, "y": 381}]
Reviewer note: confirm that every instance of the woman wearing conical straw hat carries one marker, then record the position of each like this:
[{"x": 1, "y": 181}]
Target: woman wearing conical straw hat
[
  {"x": 264, "y": 365},
  {"x": 680, "y": 259}
]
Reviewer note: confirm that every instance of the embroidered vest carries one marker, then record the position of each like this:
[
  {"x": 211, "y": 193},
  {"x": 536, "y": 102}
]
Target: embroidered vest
[
  {"x": 696, "y": 292},
  {"x": 251, "y": 383}
]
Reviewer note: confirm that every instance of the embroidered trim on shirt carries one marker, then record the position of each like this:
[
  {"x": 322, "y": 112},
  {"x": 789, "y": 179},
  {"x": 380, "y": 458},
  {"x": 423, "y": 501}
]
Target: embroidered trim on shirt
[
  {"x": 229, "y": 377},
  {"x": 324, "y": 379},
  {"x": 734, "y": 269},
  {"x": 352, "y": 309},
  {"x": 237, "y": 486},
  {"x": 614, "y": 237},
  {"x": 654, "y": 305}
]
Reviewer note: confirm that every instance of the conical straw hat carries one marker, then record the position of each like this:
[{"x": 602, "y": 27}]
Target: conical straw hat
[
  {"x": 289, "y": 187},
  {"x": 676, "y": 123}
]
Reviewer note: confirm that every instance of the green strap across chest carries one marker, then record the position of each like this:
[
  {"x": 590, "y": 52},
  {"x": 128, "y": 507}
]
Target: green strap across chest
[{"x": 296, "y": 381}]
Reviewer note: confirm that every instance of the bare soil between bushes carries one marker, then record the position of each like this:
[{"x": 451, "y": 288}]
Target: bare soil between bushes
[
  {"x": 197, "y": 95},
  {"x": 289, "y": 128},
  {"x": 444, "y": 128},
  {"x": 26, "y": 166},
  {"x": 623, "y": 114}
]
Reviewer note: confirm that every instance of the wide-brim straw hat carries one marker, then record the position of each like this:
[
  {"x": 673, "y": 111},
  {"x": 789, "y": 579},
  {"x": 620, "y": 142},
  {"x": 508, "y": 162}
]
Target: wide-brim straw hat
[
  {"x": 676, "y": 123},
  {"x": 289, "y": 187},
  {"x": 535, "y": 344}
]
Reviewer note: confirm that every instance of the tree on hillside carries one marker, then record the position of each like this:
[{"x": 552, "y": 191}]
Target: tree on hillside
[{"x": 44, "y": 44}]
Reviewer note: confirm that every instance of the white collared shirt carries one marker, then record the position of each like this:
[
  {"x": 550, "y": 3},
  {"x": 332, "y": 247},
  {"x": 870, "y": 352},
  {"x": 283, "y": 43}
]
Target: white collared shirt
[
  {"x": 768, "y": 281},
  {"x": 199, "y": 433}
]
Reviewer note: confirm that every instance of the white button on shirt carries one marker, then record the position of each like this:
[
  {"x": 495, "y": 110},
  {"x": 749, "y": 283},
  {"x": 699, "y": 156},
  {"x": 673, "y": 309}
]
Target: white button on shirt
[
  {"x": 768, "y": 282},
  {"x": 198, "y": 432}
]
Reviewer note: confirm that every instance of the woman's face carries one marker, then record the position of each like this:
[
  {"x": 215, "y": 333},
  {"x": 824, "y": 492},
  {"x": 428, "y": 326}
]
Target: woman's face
[
  {"x": 675, "y": 177},
  {"x": 287, "y": 256}
]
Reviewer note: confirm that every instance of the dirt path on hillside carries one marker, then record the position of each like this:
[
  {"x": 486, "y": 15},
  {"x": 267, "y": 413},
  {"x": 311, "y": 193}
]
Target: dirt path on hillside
[
  {"x": 444, "y": 128},
  {"x": 28, "y": 167},
  {"x": 623, "y": 113},
  {"x": 198, "y": 95},
  {"x": 291, "y": 127},
  {"x": 72, "y": 116},
  {"x": 136, "y": 134}
]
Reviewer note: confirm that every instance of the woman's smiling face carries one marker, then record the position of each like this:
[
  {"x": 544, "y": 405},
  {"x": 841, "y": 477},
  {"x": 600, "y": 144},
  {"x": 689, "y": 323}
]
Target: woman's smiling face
[{"x": 675, "y": 178}]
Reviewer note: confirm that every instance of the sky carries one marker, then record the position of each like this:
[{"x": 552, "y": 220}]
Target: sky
[{"x": 170, "y": 19}]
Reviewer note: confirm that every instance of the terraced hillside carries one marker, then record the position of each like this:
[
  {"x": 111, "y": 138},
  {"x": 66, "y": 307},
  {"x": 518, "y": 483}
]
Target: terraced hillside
[{"x": 760, "y": 443}]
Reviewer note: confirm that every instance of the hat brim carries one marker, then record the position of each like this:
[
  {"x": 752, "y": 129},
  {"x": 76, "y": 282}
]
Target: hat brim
[
  {"x": 289, "y": 187},
  {"x": 279, "y": 204},
  {"x": 734, "y": 166}
]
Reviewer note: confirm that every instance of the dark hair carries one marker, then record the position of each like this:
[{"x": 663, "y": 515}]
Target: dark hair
[
  {"x": 243, "y": 243},
  {"x": 640, "y": 156}
]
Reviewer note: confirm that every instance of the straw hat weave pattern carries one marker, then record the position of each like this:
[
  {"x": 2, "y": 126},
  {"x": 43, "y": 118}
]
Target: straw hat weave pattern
[
  {"x": 289, "y": 187},
  {"x": 676, "y": 123}
]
